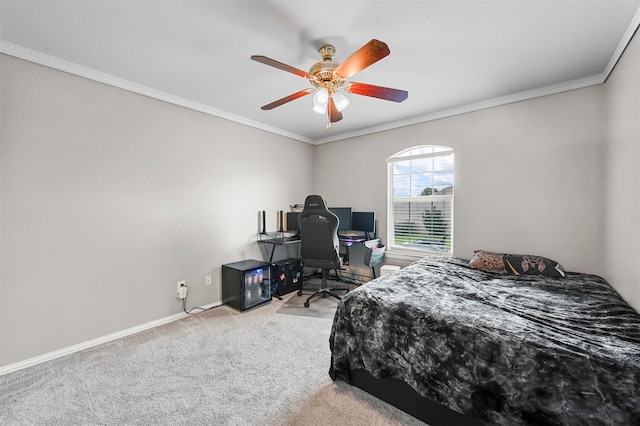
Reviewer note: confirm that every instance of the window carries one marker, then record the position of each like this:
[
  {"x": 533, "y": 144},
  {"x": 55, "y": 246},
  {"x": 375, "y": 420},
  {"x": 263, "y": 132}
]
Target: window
[{"x": 420, "y": 200}]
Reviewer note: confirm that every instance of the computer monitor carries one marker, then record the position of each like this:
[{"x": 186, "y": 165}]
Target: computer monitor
[
  {"x": 292, "y": 221},
  {"x": 363, "y": 221},
  {"x": 344, "y": 215}
]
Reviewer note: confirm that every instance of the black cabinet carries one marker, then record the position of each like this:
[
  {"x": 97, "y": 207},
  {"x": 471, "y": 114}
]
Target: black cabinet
[
  {"x": 246, "y": 284},
  {"x": 286, "y": 276}
]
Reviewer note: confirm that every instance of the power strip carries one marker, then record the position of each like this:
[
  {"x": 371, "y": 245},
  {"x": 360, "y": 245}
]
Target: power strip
[{"x": 182, "y": 294}]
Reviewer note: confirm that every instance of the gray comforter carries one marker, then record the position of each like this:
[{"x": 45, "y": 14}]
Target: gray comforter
[{"x": 503, "y": 349}]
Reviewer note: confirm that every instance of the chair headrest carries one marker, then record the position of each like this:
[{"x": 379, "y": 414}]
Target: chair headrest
[{"x": 314, "y": 202}]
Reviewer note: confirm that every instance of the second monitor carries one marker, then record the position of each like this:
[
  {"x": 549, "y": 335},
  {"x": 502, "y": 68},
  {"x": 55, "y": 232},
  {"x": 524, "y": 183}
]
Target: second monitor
[
  {"x": 364, "y": 221},
  {"x": 354, "y": 221},
  {"x": 344, "y": 216}
]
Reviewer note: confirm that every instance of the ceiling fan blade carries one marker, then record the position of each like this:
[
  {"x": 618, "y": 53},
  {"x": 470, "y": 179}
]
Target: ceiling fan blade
[
  {"x": 368, "y": 54},
  {"x": 332, "y": 110},
  {"x": 286, "y": 99},
  {"x": 280, "y": 65},
  {"x": 380, "y": 92}
]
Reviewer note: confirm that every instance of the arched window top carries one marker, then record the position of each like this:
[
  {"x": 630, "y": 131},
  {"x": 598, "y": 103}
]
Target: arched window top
[{"x": 420, "y": 151}]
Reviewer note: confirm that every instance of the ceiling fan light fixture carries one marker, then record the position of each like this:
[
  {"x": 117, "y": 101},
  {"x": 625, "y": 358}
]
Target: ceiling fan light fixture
[
  {"x": 320, "y": 109},
  {"x": 320, "y": 100},
  {"x": 340, "y": 100}
]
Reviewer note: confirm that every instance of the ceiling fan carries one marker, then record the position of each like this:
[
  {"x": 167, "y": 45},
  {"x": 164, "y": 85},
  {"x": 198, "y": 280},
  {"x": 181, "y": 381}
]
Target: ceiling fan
[{"x": 327, "y": 76}]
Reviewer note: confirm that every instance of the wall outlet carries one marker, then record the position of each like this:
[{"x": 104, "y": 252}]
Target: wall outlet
[
  {"x": 207, "y": 280},
  {"x": 183, "y": 292},
  {"x": 181, "y": 284}
]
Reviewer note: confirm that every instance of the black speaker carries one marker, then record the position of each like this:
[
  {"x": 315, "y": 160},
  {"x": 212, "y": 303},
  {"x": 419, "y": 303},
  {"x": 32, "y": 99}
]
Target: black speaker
[{"x": 286, "y": 276}]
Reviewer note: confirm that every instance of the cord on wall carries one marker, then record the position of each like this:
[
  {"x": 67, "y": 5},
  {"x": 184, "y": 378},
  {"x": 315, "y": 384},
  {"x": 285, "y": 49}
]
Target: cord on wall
[{"x": 183, "y": 295}]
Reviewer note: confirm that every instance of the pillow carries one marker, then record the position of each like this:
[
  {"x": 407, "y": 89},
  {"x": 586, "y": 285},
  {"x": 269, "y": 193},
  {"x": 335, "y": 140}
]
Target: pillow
[
  {"x": 488, "y": 261},
  {"x": 532, "y": 265},
  {"x": 515, "y": 264}
]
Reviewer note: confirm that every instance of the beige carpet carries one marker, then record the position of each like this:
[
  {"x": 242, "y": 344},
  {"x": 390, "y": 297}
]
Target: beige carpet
[
  {"x": 319, "y": 307},
  {"x": 220, "y": 367}
]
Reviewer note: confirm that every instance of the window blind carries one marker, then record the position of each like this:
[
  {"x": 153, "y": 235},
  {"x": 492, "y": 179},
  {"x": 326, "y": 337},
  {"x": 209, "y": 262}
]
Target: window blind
[{"x": 420, "y": 205}]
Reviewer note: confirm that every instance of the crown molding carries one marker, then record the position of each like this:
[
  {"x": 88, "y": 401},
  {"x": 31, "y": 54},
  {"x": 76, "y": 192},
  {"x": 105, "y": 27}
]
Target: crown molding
[
  {"x": 40, "y": 58},
  {"x": 477, "y": 106},
  {"x": 624, "y": 42}
]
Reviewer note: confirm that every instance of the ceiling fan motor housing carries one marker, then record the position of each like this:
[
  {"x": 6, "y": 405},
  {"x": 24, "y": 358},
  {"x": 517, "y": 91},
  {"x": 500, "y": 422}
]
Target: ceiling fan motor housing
[{"x": 323, "y": 71}]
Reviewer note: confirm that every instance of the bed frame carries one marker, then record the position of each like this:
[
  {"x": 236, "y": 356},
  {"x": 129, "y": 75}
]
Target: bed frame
[{"x": 402, "y": 396}]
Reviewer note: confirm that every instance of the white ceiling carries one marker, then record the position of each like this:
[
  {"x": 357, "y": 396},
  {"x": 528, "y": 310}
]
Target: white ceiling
[{"x": 451, "y": 56}]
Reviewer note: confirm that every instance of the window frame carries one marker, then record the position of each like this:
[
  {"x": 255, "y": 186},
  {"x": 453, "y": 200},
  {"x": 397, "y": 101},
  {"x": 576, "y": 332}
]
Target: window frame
[{"x": 405, "y": 155}]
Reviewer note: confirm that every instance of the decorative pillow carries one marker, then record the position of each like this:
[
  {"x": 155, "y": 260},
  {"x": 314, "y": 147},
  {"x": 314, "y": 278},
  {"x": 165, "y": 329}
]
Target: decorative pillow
[
  {"x": 532, "y": 265},
  {"x": 488, "y": 261},
  {"x": 515, "y": 264}
]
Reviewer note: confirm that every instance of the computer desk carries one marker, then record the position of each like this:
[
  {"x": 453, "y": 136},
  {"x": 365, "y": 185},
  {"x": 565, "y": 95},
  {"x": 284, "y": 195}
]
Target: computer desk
[{"x": 275, "y": 240}]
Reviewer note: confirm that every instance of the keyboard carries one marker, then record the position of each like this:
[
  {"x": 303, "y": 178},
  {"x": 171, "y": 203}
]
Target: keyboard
[
  {"x": 281, "y": 240},
  {"x": 351, "y": 234}
]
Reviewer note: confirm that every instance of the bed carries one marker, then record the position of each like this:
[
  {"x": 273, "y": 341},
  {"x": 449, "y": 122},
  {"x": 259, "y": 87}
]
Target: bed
[{"x": 451, "y": 344}]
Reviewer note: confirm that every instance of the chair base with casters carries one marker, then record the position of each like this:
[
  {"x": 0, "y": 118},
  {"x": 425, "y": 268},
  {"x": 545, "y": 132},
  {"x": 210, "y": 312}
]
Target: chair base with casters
[{"x": 324, "y": 291}]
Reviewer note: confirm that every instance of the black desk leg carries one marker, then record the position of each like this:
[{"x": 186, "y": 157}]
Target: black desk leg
[{"x": 273, "y": 250}]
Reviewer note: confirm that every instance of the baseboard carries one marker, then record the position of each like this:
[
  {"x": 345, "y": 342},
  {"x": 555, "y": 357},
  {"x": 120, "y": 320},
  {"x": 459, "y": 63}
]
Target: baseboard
[{"x": 95, "y": 342}]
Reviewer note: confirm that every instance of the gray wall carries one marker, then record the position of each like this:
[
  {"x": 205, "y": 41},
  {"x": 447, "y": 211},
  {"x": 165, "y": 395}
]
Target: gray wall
[
  {"x": 622, "y": 177},
  {"x": 528, "y": 176},
  {"x": 109, "y": 198},
  {"x": 556, "y": 175}
]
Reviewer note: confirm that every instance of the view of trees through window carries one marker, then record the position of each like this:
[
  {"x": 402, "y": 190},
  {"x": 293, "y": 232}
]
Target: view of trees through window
[{"x": 421, "y": 198}]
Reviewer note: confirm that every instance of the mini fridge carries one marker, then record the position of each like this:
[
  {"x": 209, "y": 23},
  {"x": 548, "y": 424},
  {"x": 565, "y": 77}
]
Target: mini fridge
[{"x": 246, "y": 284}]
